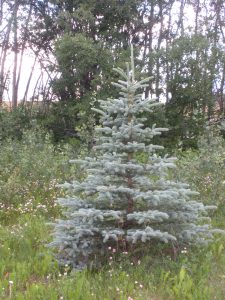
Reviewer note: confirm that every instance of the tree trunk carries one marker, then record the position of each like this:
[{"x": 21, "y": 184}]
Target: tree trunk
[
  {"x": 23, "y": 47},
  {"x": 1, "y": 11},
  {"x": 29, "y": 80},
  {"x": 15, "y": 62},
  {"x": 3, "y": 56}
]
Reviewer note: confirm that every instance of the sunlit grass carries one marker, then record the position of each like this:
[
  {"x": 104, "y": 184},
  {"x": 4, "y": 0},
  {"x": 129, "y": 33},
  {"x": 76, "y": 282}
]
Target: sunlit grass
[{"x": 28, "y": 270}]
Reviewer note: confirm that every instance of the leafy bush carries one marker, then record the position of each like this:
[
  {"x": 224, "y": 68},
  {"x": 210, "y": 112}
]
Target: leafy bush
[
  {"x": 30, "y": 168},
  {"x": 204, "y": 168},
  {"x": 69, "y": 121},
  {"x": 12, "y": 123}
]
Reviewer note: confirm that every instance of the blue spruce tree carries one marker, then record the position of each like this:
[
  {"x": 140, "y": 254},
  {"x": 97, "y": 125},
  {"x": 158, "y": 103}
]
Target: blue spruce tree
[{"x": 124, "y": 201}]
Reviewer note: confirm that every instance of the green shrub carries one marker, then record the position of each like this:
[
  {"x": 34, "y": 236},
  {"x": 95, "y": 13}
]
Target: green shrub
[
  {"x": 12, "y": 123},
  {"x": 205, "y": 169},
  {"x": 30, "y": 169}
]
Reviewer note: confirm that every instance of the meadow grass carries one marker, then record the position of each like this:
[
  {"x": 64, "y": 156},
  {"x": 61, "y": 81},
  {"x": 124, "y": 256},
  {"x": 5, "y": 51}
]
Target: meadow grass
[{"x": 29, "y": 270}]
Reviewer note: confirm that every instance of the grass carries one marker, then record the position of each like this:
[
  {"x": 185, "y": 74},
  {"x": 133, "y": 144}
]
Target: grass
[{"x": 28, "y": 270}]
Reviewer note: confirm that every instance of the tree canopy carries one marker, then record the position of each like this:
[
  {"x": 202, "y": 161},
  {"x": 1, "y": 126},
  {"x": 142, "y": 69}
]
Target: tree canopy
[{"x": 179, "y": 43}]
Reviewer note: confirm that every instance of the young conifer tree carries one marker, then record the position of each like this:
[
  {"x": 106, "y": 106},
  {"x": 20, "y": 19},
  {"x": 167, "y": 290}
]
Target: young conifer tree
[{"x": 124, "y": 201}]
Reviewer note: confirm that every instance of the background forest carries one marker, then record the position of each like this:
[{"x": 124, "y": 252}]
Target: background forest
[
  {"x": 73, "y": 45},
  {"x": 57, "y": 59}
]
